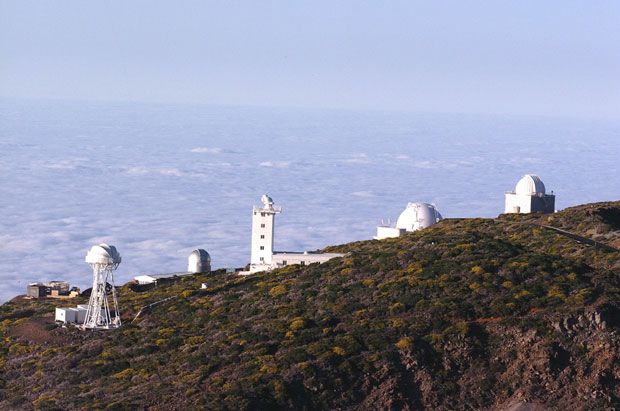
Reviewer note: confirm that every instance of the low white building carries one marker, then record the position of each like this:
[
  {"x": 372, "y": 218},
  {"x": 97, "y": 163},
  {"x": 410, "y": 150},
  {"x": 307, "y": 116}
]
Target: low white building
[
  {"x": 72, "y": 315},
  {"x": 284, "y": 258},
  {"x": 263, "y": 257},
  {"x": 66, "y": 315},
  {"x": 153, "y": 278},
  {"x": 415, "y": 216},
  {"x": 199, "y": 261},
  {"x": 529, "y": 196}
]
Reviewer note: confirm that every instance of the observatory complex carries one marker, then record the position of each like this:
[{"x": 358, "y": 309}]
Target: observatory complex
[
  {"x": 416, "y": 216},
  {"x": 529, "y": 197},
  {"x": 263, "y": 257}
]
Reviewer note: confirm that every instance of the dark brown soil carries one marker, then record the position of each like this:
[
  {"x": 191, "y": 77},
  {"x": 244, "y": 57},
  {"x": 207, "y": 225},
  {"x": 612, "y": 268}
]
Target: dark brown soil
[{"x": 38, "y": 330}]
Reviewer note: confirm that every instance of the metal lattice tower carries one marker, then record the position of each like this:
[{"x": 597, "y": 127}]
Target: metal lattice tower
[{"x": 103, "y": 259}]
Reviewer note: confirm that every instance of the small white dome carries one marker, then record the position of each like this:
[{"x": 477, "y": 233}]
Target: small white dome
[
  {"x": 266, "y": 200},
  {"x": 418, "y": 216},
  {"x": 103, "y": 254},
  {"x": 530, "y": 185},
  {"x": 199, "y": 261}
]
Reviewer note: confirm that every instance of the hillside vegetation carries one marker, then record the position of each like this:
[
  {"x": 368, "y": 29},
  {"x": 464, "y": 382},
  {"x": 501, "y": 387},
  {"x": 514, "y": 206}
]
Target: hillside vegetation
[{"x": 468, "y": 314}]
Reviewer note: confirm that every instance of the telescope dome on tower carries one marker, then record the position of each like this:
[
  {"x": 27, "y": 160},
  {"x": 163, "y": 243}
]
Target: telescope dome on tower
[
  {"x": 103, "y": 259},
  {"x": 418, "y": 216},
  {"x": 530, "y": 185},
  {"x": 103, "y": 254},
  {"x": 266, "y": 200},
  {"x": 199, "y": 261}
]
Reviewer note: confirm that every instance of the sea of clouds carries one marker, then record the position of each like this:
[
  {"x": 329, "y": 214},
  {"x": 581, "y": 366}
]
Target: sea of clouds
[{"x": 158, "y": 181}]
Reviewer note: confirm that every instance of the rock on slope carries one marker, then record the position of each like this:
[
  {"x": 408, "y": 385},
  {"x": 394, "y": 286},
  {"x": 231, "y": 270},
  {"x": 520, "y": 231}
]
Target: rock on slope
[{"x": 468, "y": 314}]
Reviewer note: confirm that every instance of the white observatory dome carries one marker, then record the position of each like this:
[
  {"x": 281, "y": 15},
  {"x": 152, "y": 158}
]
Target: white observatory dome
[
  {"x": 266, "y": 200},
  {"x": 530, "y": 185},
  {"x": 103, "y": 254},
  {"x": 199, "y": 261},
  {"x": 418, "y": 216}
]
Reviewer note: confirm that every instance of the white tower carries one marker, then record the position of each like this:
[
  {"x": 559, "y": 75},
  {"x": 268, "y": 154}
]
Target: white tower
[
  {"x": 262, "y": 233},
  {"x": 103, "y": 259}
]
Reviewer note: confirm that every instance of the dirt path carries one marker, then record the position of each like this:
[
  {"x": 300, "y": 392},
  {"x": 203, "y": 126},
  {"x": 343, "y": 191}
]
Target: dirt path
[{"x": 37, "y": 330}]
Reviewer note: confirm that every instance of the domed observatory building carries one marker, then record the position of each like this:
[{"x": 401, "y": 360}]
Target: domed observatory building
[
  {"x": 199, "y": 261},
  {"x": 416, "y": 216},
  {"x": 529, "y": 197}
]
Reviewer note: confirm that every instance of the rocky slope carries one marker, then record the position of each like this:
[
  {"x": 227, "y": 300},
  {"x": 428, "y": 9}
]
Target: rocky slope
[{"x": 468, "y": 314}]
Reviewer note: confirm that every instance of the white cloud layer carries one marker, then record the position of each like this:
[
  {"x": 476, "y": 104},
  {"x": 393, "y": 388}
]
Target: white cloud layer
[
  {"x": 209, "y": 150},
  {"x": 275, "y": 164},
  {"x": 73, "y": 176}
]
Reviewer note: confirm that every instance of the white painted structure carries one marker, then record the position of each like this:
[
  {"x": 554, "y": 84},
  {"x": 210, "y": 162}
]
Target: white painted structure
[
  {"x": 529, "y": 196},
  {"x": 103, "y": 259},
  {"x": 416, "y": 216},
  {"x": 66, "y": 315},
  {"x": 263, "y": 225},
  {"x": 199, "y": 261},
  {"x": 153, "y": 278},
  {"x": 284, "y": 258},
  {"x": 386, "y": 231},
  {"x": 263, "y": 257},
  {"x": 73, "y": 315},
  {"x": 145, "y": 279},
  {"x": 80, "y": 313}
]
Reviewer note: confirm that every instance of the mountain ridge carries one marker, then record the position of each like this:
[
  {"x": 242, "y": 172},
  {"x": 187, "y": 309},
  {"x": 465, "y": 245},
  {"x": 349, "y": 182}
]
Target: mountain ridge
[{"x": 469, "y": 313}]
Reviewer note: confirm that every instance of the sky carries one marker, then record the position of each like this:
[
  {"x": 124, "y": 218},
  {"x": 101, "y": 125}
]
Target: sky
[{"x": 551, "y": 58}]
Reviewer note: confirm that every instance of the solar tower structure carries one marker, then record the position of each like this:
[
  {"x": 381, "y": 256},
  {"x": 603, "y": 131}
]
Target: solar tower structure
[{"x": 103, "y": 259}]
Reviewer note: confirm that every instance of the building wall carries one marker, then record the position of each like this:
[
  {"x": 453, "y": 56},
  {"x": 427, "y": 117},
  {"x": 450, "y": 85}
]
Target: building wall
[
  {"x": 35, "y": 291},
  {"x": 284, "y": 259},
  {"x": 144, "y": 279},
  {"x": 66, "y": 315},
  {"x": 61, "y": 286},
  {"x": 544, "y": 204},
  {"x": 524, "y": 204},
  {"x": 388, "y": 232},
  {"x": 517, "y": 203},
  {"x": 262, "y": 235},
  {"x": 80, "y": 315}
]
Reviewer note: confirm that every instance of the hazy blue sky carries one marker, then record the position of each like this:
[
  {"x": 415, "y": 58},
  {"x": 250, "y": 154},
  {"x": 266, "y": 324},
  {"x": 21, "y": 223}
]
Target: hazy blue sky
[{"x": 532, "y": 57}]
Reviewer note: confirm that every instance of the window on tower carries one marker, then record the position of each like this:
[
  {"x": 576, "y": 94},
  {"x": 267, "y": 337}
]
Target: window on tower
[
  {"x": 262, "y": 236},
  {"x": 262, "y": 247},
  {"x": 262, "y": 226}
]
